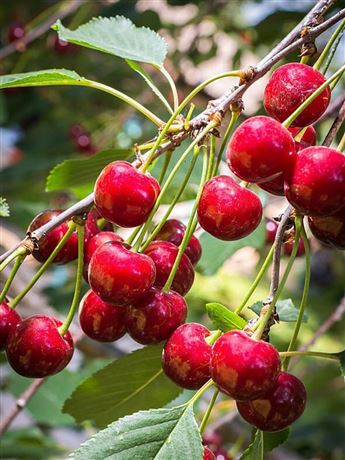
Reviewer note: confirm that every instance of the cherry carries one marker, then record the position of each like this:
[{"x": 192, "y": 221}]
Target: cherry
[
  {"x": 222, "y": 454},
  {"x": 271, "y": 228},
  {"x": 259, "y": 149},
  {"x": 9, "y": 318},
  {"x": 208, "y": 454},
  {"x": 274, "y": 186},
  {"x": 288, "y": 246},
  {"x": 289, "y": 86},
  {"x": 329, "y": 230},
  {"x": 62, "y": 47},
  {"x": 316, "y": 184},
  {"x": 279, "y": 408},
  {"x": 124, "y": 195},
  {"x": 81, "y": 139},
  {"x": 15, "y": 31},
  {"x": 91, "y": 227},
  {"x": 242, "y": 367},
  {"x": 99, "y": 320},
  {"x": 163, "y": 254},
  {"x": 173, "y": 231},
  {"x": 120, "y": 276},
  {"x": 186, "y": 356},
  {"x": 48, "y": 243},
  {"x": 94, "y": 243},
  {"x": 155, "y": 317},
  {"x": 308, "y": 138},
  {"x": 228, "y": 211},
  {"x": 36, "y": 349}
]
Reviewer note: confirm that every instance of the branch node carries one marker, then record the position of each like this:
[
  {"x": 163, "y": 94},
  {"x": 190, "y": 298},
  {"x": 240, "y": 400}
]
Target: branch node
[{"x": 247, "y": 75}]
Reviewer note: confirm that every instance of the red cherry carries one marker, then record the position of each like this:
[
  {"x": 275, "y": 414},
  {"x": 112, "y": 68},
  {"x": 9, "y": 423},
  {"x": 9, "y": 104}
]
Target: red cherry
[
  {"x": 155, "y": 317},
  {"x": 279, "y": 408},
  {"x": 120, "y": 276},
  {"x": 94, "y": 243},
  {"x": 308, "y": 138},
  {"x": 242, "y": 367},
  {"x": 259, "y": 149},
  {"x": 36, "y": 349},
  {"x": 274, "y": 186},
  {"x": 124, "y": 195},
  {"x": 91, "y": 227},
  {"x": 212, "y": 439},
  {"x": 228, "y": 211},
  {"x": 9, "y": 318},
  {"x": 222, "y": 454},
  {"x": 208, "y": 454},
  {"x": 173, "y": 231},
  {"x": 48, "y": 243},
  {"x": 271, "y": 228},
  {"x": 289, "y": 86},
  {"x": 164, "y": 255},
  {"x": 329, "y": 230},
  {"x": 316, "y": 184},
  {"x": 186, "y": 356},
  {"x": 288, "y": 246},
  {"x": 62, "y": 47},
  {"x": 15, "y": 31},
  {"x": 99, "y": 320}
]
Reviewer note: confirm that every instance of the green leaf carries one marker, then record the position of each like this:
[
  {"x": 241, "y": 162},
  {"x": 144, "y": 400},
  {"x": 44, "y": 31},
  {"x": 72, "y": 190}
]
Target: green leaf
[
  {"x": 273, "y": 440},
  {"x": 80, "y": 175},
  {"x": 255, "y": 451},
  {"x": 341, "y": 356},
  {"x": 133, "y": 382},
  {"x": 40, "y": 78},
  {"x": 162, "y": 434},
  {"x": 223, "y": 318},
  {"x": 4, "y": 208},
  {"x": 117, "y": 36},
  {"x": 285, "y": 308}
]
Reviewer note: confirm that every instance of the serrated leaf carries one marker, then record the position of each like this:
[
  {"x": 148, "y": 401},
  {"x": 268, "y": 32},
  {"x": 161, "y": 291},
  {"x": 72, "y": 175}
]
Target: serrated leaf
[
  {"x": 223, "y": 318},
  {"x": 162, "y": 434},
  {"x": 133, "y": 382},
  {"x": 273, "y": 440},
  {"x": 4, "y": 208},
  {"x": 80, "y": 175},
  {"x": 285, "y": 308},
  {"x": 40, "y": 78},
  {"x": 255, "y": 451},
  {"x": 118, "y": 36},
  {"x": 341, "y": 357}
]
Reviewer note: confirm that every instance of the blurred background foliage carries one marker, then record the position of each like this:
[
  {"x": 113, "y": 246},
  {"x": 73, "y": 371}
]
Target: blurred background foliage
[{"x": 204, "y": 37}]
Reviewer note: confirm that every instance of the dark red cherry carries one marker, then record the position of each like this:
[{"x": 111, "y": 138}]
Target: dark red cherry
[
  {"x": 94, "y": 243},
  {"x": 186, "y": 356},
  {"x": 228, "y": 211},
  {"x": 242, "y": 367},
  {"x": 222, "y": 454},
  {"x": 9, "y": 318},
  {"x": 99, "y": 320},
  {"x": 120, "y": 276},
  {"x": 36, "y": 349},
  {"x": 316, "y": 184},
  {"x": 212, "y": 439},
  {"x": 329, "y": 230},
  {"x": 279, "y": 408},
  {"x": 48, "y": 243},
  {"x": 259, "y": 149},
  {"x": 124, "y": 195},
  {"x": 173, "y": 231},
  {"x": 274, "y": 186},
  {"x": 155, "y": 317},
  {"x": 163, "y": 254},
  {"x": 271, "y": 228},
  {"x": 208, "y": 454},
  {"x": 289, "y": 86},
  {"x": 91, "y": 227},
  {"x": 308, "y": 138},
  {"x": 15, "y": 31},
  {"x": 62, "y": 47},
  {"x": 288, "y": 246}
]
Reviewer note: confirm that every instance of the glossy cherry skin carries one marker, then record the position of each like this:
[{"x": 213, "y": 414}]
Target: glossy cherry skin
[
  {"x": 124, "y": 195},
  {"x": 119, "y": 276},
  {"x": 15, "y": 31},
  {"x": 186, "y": 356},
  {"x": 163, "y": 254},
  {"x": 99, "y": 320},
  {"x": 94, "y": 243},
  {"x": 155, "y": 317},
  {"x": 289, "y": 86},
  {"x": 242, "y": 367},
  {"x": 316, "y": 184},
  {"x": 288, "y": 246},
  {"x": 329, "y": 230},
  {"x": 48, "y": 243},
  {"x": 308, "y": 138},
  {"x": 279, "y": 408},
  {"x": 259, "y": 149},
  {"x": 271, "y": 228},
  {"x": 9, "y": 318},
  {"x": 173, "y": 231},
  {"x": 36, "y": 349},
  {"x": 228, "y": 211},
  {"x": 208, "y": 454}
]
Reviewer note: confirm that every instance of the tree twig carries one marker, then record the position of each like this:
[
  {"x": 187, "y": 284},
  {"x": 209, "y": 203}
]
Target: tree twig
[{"x": 335, "y": 127}]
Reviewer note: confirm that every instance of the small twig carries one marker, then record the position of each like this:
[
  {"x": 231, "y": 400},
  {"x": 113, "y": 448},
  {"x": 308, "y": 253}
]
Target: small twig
[{"x": 335, "y": 127}]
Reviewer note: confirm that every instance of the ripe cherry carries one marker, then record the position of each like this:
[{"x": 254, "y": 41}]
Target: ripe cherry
[
  {"x": 99, "y": 320},
  {"x": 62, "y": 47},
  {"x": 15, "y": 31},
  {"x": 155, "y": 317},
  {"x": 288, "y": 246},
  {"x": 9, "y": 318},
  {"x": 316, "y": 184},
  {"x": 208, "y": 454},
  {"x": 242, "y": 367},
  {"x": 308, "y": 138},
  {"x": 36, "y": 349},
  {"x": 186, "y": 356},
  {"x": 124, "y": 195},
  {"x": 164, "y": 255},
  {"x": 120, "y": 276},
  {"x": 279, "y": 408},
  {"x": 91, "y": 227},
  {"x": 94, "y": 243},
  {"x": 260, "y": 149},
  {"x": 271, "y": 228},
  {"x": 289, "y": 86},
  {"x": 329, "y": 230},
  {"x": 173, "y": 231},
  {"x": 274, "y": 186},
  {"x": 228, "y": 211},
  {"x": 48, "y": 243}
]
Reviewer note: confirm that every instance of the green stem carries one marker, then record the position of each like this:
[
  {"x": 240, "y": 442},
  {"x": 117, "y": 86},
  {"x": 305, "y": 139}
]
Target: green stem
[
  {"x": 11, "y": 276},
  {"x": 211, "y": 157},
  {"x": 76, "y": 296},
  {"x": 316, "y": 354},
  {"x": 208, "y": 411},
  {"x": 336, "y": 81},
  {"x": 232, "y": 122},
  {"x": 202, "y": 390},
  {"x": 43, "y": 267},
  {"x": 133, "y": 235},
  {"x": 167, "y": 159},
  {"x": 304, "y": 59},
  {"x": 211, "y": 339},
  {"x": 171, "y": 82},
  {"x": 341, "y": 145},
  {"x": 329, "y": 45},
  {"x": 18, "y": 252}
]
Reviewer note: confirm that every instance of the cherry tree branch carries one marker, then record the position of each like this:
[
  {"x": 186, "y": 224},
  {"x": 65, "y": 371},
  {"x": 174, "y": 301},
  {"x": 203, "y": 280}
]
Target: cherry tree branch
[{"x": 335, "y": 127}]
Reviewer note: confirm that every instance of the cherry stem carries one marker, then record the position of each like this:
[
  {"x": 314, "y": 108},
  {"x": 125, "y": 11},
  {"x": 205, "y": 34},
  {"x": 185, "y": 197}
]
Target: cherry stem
[
  {"x": 78, "y": 282},
  {"x": 229, "y": 129},
  {"x": 133, "y": 235},
  {"x": 167, "y": 159},
  {"x": 316, "y": 354},
  {"x": 19, "y": 260},
  {"x": 171, "y": 82},
  {"x": 202, "y": 390},
  {"x": 211, "y": 339},
  {"x": 44, "y": 266},
  {"x": 341, "y": 145},
  {"x": 208, "y": 411},
  {"x": 334, "y": 40},
  {"x": 18, "y": 252},
  {"x": 210, "y": 168}
]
